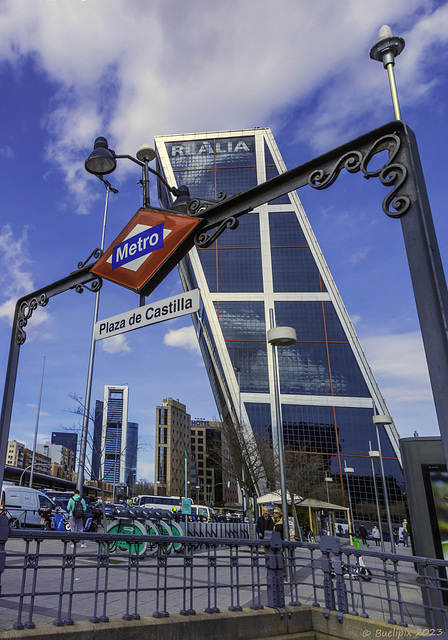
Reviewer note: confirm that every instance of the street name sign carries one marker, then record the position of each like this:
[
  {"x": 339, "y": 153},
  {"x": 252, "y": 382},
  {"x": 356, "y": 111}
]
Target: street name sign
[
  {"x": 148, "y": 248},
  {"x": 167, "y": 309}
]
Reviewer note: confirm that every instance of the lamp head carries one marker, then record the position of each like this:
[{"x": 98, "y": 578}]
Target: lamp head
[
  {"x": 146, "y": 153},
  {"x": 387, "y": 47},
  {"x": 102, "y": 160},
  {"x": 282, "y": 336}
]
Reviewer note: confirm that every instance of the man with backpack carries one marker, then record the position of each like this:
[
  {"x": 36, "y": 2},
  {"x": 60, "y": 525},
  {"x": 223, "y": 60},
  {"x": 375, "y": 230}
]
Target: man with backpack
[{"x": 76, "y": 507}]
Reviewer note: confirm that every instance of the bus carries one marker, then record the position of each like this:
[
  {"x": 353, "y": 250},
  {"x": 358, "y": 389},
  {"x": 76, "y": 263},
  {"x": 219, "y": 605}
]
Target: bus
[
  {"x": 198, "y": 511},
  {"x": 157, "y": 502}
]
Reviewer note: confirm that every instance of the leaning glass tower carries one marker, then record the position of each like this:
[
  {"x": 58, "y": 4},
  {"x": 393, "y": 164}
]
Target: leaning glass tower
[{"x": 272, "y": 262}]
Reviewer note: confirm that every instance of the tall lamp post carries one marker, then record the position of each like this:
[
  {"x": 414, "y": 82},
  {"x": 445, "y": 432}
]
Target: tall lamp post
[
  {"x": 280, "y": 337},
  {"x": 372, "y": 455},
  {"x": 351, "y": 523},
  {"x": 86, "y": 415},
  {"x": 33, "y": 461},
  {"x": 383, "y": 420},
  {"x": 328, "y": 480}
]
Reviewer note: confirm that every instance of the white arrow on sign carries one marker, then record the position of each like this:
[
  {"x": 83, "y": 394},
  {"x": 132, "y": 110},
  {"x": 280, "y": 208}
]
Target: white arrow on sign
[{"x": 174, "y": 307}]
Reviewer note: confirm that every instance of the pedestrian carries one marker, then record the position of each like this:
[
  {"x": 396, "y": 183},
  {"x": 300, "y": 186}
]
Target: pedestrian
[
  {"x": 76, "y": 507},
  {"x": 264, "y": 523},
  {"x": 376, "y": 535},
  {"x": 363, "y": 534},
  {"x": 405, "y": 534},
  {"x": 278, "y": 521}
]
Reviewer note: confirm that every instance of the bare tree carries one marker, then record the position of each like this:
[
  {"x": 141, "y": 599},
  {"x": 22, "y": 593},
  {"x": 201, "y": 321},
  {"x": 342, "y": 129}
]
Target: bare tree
[
  {"x": 247, "y": 459},
  {"x": 143, "y": 487}
]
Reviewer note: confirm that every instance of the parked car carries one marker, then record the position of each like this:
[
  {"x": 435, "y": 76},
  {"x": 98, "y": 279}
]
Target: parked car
[{"x": 21, "y": 505}]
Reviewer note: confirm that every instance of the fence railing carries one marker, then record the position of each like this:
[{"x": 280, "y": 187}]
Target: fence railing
[{"x": 49, "y": 577}]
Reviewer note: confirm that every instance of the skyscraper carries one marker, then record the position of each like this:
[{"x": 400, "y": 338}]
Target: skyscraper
[
  {"x": 114, "y": 455},
  {"x": 272, "y": 262}
]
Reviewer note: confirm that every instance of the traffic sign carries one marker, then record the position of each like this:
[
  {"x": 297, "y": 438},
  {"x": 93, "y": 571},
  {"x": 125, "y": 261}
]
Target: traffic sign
[
  {"x": 147, "y": 249},
  {"x": 167, "y": 309}
]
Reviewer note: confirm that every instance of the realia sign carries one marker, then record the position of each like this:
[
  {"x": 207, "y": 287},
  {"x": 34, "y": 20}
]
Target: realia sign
[{"x": 150, "y": 245}]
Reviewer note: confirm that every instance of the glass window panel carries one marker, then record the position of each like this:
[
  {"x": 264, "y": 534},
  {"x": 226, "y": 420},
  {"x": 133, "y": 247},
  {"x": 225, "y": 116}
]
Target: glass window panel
[
  {"x": 346, "y": 376},
  {"x": 304, "y": 369},
  {"x": 294, "y": 269},
  {"x": 311, "y": 320},
  {"x": 247, "y": 234},
  {"x": 285, "y": 230},
  {"x": 239, "y": 270},
  {"x": 242, "y": 320},
  {"x": 251, "y": 358},
  {"x": 208, "y": 262}
]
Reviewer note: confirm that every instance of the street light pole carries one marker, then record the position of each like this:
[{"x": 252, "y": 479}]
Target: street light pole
[
  {"x": 33, "y": 461},
  {"x": 329, "y": 479},
  {"x": 376, "y": 454},
  {"x": 383, "y": 420},
  {"x": 384, "y": 50},
  {"x": 278, "y": 337},
  {"x": 86, "y": 415},
  {"x": 351, "y": 522}
]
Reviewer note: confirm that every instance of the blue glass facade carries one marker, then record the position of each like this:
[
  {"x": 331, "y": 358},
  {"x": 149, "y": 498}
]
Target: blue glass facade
[{"x": 272, "y": 262}]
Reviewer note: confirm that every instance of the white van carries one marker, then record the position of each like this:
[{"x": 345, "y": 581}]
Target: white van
[
  {"x": 21, "y": 504},
  {"x": 202, "y": 512}
]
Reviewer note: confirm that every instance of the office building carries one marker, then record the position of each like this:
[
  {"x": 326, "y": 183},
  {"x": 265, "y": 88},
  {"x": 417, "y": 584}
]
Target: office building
[
  {"x": 272, "y": 261},
  {"x": 194, "y": 446},
  {"x": 15, "y": 453},
  {"x": 61, "y": 459},
  {"x": 66, "y": 439},
  {"x": 173, "y": 448},
  {"x": 114, "y": 454}
]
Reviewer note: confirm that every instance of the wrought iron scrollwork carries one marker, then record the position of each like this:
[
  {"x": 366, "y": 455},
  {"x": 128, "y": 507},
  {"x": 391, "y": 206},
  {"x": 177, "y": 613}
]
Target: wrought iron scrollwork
[
  {"x": 94, "y": 285},
  {"x": 96, "y": 253},
  {"x": 391, "y": 173},
  {"x": 199, "y": 205},
  {"x": 203, "y": 240},
  {"x": 25, "y": 312},
  {"x": 351, "y": 161}
]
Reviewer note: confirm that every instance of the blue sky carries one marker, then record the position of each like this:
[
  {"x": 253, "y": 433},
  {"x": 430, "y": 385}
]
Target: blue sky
[{"x": 71, "y": 70}]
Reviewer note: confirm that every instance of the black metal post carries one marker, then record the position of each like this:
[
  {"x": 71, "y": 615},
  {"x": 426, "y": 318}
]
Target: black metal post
[{"x": 23, "y": 311}]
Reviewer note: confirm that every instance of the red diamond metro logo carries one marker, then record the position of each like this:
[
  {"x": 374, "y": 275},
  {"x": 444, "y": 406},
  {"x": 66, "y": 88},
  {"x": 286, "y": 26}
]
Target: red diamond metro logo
[{"x": 149, "y": 247}]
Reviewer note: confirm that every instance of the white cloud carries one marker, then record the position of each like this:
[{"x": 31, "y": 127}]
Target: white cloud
[
  {"x": 185, "y": 338},
  {"x": 15, "y": 274},
  {"x": 223, "y": 67},
  {"x": 399, "y": 362},
  {"x": 115, "y": 344}
]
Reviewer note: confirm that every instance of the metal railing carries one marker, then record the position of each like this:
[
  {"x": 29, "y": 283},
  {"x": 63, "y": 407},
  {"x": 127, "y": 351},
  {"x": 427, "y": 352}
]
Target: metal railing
[{"x": 48, "y": 577}]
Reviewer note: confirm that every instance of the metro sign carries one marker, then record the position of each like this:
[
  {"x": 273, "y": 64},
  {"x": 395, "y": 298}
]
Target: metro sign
[{"x": 148, "y": 248}]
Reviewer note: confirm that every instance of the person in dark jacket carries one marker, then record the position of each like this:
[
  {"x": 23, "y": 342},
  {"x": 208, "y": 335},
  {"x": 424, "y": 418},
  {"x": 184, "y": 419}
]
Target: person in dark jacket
[
  {"x": 264, "y": 523},
  {"x": 278, "y": 521},
  {"x": 363, "y": 534}
]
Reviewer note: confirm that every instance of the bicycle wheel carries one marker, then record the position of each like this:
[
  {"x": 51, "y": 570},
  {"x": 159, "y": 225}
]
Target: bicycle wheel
[
  {"x": 152, "y": 530},
  {"x": 176, "y": 531},
  {"x": 129, "y": 528},
  {"x": 165, "y": 530}
]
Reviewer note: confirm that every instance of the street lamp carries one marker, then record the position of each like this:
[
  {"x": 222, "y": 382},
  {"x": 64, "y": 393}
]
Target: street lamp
[
  {"x": 280, "y": 337},
  {"x": 328, "y": 480},
  {"x": 383, "y": 420},
  {"x": 372, "y": 455},
  {"x": 103, "y": 161},
  {"x": 384, "y": 50},
  {"x": 347, "y": 471},
  {"x": 23, "y": 472}
]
